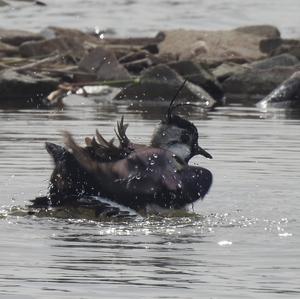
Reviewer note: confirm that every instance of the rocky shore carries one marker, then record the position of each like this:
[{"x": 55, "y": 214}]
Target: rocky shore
[{"x": 247, "y": 65}]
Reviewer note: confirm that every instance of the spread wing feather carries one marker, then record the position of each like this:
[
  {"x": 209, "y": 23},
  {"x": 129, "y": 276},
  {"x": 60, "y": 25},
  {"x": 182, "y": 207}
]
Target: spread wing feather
[{"x": 107, "y": 151}]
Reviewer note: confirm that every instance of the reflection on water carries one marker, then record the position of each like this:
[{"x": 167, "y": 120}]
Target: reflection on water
[{"x": 241, "y": 242}]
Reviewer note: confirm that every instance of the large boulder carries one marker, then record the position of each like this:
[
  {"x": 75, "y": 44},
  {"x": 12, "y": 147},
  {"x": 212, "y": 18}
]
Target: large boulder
[
  {"x": 3, "y": 3},
  {"x": 161, "y": 83},
  {"x": 136, "y": 62},
  {"x": 268, "y": 45},
  {"x": 290, "y": 46},
  {"x": 253, "y": 84},
  {"x": 104, "y": 65},
  {"x": 8, "y": 50},
  {"x": 60, "y": 45},
  {"x": 276, "y": 61},
  {"x": 85, "y": 40},
  {"x": 199, "y": 75},
  {"x": 25, "y": 88},
  {"x": 228, "y": 69},
  {"x": 255, "y": 80},
  {"x": 53, "y": 32},
  {"x": 266, "y": 31},
  {"x": 286, "y": 95},
  {"x": 17, "y": 37},
  {"x": 214, "y": 47}
]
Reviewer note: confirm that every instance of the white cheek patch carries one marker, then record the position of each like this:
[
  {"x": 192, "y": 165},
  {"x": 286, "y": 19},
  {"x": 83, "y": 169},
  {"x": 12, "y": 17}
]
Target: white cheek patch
[{"x": 180, "y": 150}]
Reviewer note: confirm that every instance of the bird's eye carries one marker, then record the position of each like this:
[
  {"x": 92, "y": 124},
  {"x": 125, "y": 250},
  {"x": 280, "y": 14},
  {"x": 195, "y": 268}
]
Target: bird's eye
[{"x": 185, "y": 137}]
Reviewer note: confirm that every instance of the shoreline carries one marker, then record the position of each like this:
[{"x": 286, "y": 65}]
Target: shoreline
[{"x": 244, "y": 65}]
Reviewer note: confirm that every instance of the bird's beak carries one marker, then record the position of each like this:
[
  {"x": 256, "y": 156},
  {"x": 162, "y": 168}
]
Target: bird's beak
[{"x": 200, "y": 151}]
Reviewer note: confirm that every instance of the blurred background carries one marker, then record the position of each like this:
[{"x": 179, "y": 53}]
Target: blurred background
[{"x": 146, "y": 18}]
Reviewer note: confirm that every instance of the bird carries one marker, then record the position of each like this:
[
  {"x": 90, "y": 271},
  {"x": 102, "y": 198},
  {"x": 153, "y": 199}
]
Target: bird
[{"x": 133, "y": 175}]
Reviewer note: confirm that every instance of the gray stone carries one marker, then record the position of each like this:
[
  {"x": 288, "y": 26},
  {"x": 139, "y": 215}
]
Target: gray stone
[
  {"x": 8, "y": 50},
  {"x": 17, "y": 37},
  {"x": 3, "y": 3},
  {"x": 133, "y": 56},
  {"x": 161, "y": 83},
  {"x": 135, "y": 41},
  {"x": 25, "y": 88},
  {"x": 138, "y": 66},
  {"x": 286, "y": 95},
  {"x": 135, "y": 62},
  {"x": 290, "y": 46},
  {"x": 267, "y": 31},
  {"x": 254, "y": 84},
  {"x": 199, "y": 75},
  {"x": 270, "y": 44},
  {"x": 227, "y": 69},
  {"x": 60, "y": 45},
  {"x": 213, "y": 47},
  {"x": 280, "y": 60},
  {"x": 104, "y": 64},
  {"x": 79, "y": 36}
]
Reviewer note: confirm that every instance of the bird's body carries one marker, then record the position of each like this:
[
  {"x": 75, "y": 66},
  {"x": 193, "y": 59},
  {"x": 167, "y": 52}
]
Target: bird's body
[{"x": 132, "y": 175}]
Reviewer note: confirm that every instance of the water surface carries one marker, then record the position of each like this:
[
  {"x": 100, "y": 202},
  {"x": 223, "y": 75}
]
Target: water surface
[
  {"x": 243, "y": 242},
  {"x": 146, "y": 18}
]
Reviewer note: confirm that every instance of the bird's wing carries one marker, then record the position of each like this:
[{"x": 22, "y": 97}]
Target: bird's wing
[
  {"x": 146, "y": 170},
  {"x": 107, "y": 151}
]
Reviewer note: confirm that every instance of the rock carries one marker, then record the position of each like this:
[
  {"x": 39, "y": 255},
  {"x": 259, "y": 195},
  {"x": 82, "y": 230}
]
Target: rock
[
  {"x": 8, "y": 50},
  {"x": 25, "y": 88},
  {"x": 36, "y": 2},
  {"x": 214, "y": 47},
  {"x": 151, "y": 48},
  {"x": 104, "y": 64},
  {"x": 60, "y": 45},
  {"x": 40, "y": 3},
  {"x": 81, "y": 37},
  {"x": 135, "y": 41},
  {"x": 3, "y": 3},
  {"x": 138, "y": 66},
  {"x": 32, "y": 1},
  {"x": 290, "y": 46},
  {"x": 199, "y": 75},
  {"x": 286, "y": 95},
  {"x": 270, "y": 44},
  {"x": 161, "y": 83},
  {"x": 17, "y": 37},
  {"x": 266, "y": 31},
  {"x": 255, "y": 80},
  {"x": 227, "y": 69},
  {"x": 254, "y": 84},
  {"x": 133, "y": 56},
  {"x": 136, "y": 62},
  {"x": 280, "y": 60},
  {"x": 2, "y": 66}
]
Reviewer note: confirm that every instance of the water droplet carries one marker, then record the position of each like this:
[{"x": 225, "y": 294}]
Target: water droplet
[
  {"x": 285, "y": 235},
  {"x": 225, "y": 243}
]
